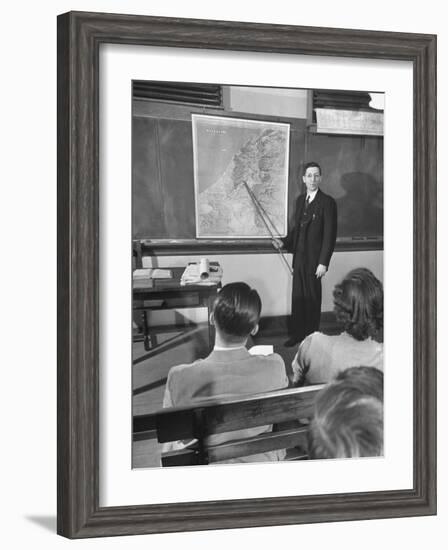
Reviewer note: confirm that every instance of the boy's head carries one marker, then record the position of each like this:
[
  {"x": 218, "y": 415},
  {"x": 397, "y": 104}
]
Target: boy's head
[
  {"x": 348, "y": 416},
  {"x": 236, "y": 312}
]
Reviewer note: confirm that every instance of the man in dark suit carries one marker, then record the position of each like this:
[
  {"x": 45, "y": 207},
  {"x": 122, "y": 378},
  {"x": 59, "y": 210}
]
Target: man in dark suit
[{"x": 312, "y": 243}]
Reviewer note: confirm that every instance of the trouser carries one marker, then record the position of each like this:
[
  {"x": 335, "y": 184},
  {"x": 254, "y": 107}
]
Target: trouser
[{"x": 306, "y": 302}]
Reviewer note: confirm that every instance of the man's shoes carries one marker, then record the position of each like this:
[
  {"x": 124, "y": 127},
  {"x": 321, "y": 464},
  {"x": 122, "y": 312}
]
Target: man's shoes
[{"x": 290, "y": 342}]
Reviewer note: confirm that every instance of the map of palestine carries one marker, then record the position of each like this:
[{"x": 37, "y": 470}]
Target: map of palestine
[{"x": 241, "y": 177}]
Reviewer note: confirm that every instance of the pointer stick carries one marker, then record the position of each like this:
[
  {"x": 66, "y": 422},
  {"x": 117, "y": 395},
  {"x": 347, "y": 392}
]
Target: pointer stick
[{"x": 260, "y": 211}]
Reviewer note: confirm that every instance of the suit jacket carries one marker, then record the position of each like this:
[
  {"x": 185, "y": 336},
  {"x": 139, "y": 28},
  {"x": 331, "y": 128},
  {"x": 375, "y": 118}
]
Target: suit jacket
[
  {"x": 320, "y": 232},
  {"x": 224, "y": 373}
]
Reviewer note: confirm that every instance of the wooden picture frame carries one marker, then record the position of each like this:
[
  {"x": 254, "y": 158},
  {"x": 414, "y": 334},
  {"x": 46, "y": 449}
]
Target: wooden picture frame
[{"x": 79, "y": 38}]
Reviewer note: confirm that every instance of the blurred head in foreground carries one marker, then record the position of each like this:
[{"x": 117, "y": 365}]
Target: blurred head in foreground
[{"x": 348, "y": 416}]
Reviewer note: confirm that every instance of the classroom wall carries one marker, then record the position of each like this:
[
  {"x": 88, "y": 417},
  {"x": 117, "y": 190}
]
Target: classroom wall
[
  {"x": 266, "y": 101},
  {"x": 268, "y": 274}
]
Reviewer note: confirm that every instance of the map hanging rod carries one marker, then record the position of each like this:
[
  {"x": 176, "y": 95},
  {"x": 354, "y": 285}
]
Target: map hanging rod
[{"x": 265, "y": 218}]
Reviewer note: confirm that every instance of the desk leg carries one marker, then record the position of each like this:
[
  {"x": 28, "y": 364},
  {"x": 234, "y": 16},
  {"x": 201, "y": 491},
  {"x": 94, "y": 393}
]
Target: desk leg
[
  {"x": 146, "y": 337},
  {"x": 211, "y": 328}
]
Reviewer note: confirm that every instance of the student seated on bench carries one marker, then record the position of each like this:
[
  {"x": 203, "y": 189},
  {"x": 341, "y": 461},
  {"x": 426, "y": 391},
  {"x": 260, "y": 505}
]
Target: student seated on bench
[
  {"x": 229, "y": 369},
  {"x": 358, "y": 305},
  {"x": 348, "y": 416}
]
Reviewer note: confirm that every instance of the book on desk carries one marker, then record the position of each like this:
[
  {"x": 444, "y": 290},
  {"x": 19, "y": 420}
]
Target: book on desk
[{"x": 143, "y": 278}]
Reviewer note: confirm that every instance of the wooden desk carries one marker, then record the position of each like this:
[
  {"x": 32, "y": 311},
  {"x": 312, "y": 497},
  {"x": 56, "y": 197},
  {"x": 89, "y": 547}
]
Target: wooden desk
[{"x": 173, "y": 296}]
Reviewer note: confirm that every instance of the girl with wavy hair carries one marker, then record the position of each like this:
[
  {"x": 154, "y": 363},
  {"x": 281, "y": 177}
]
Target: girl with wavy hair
[{"x": 358, "y": 306}]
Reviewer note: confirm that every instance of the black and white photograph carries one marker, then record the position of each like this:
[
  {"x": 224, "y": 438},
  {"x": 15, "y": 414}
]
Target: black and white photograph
[{"x": 257, "y": 274}]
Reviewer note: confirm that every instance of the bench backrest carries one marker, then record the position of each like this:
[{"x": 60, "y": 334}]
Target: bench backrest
[{"x": 216, "y": 416}]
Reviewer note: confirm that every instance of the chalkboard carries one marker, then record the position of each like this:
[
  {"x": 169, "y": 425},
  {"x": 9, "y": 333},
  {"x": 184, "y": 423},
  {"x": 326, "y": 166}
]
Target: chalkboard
[
  {"x": 163, "y": 179},
  {"x": 352, "y": 173},
  {"x": 163, "y": 186},
  {"x": 163, "y": 195}
]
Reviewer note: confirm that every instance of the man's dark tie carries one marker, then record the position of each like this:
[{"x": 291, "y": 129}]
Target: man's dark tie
[{"x": 307, "y": 202}]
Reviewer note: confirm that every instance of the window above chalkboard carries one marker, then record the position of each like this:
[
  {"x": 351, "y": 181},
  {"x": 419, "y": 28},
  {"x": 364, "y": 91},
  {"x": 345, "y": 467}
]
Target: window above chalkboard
[
  {"x": 178, "y": 92},
  {"x": 341, "y": 99}
]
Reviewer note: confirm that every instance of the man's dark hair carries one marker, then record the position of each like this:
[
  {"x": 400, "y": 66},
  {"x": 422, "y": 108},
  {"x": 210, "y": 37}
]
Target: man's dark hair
[
  {"x": 237, "y": 310},
  {"x": 358, "y": 304},
  {"x": 348, "y": 416},
  {"x": 311, "y": 165}
]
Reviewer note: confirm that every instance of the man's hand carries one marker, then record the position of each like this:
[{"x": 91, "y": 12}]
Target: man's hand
[
  {"x": 321, "y": 270},
  {"x": 277, "y": 243}
]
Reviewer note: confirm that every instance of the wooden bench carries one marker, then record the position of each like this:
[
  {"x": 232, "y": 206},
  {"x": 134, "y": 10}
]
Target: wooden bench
[{"x": 285, "y": 409}]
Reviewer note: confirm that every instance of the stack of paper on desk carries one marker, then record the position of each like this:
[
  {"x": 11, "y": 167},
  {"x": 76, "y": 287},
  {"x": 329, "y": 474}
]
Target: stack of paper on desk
[
  {"x": 142, "y": 278},
  {"x": 191, "y": 275},
  {"x": 141, "y": 274},
  {"x": 158, "y": 273}
]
